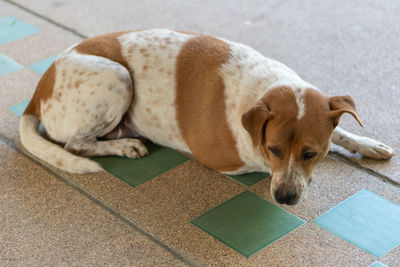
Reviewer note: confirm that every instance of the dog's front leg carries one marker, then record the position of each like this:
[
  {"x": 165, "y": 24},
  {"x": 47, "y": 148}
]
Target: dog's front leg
[{"x": 365, "y": 146}]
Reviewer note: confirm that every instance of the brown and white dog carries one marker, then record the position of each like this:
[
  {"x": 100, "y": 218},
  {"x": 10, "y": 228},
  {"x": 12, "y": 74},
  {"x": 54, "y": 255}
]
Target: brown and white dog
[{"x": 235, "y": 110}]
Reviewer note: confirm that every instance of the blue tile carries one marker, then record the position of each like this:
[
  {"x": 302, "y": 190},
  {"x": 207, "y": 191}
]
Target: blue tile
[
  {"x": 366, "y": 220},
  {"x": 12, "y": 29},
  {"x": 41, "y": 66},
  {"x": 19, "y": 109},
  {"x": 377, "y": 264},
  {"x": 8, "y": 65}
]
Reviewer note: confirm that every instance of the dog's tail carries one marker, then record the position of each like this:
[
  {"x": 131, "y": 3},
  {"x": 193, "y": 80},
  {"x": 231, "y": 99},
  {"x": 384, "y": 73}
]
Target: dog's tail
[{"x": 50, "y": 152}]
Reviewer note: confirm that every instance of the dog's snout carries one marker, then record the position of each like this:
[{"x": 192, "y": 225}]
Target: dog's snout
[{"x": 288, "y": 197}]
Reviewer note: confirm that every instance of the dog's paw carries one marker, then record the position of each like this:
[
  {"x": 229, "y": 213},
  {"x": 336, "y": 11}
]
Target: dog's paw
[
  {"x": 373, "y": 149},
  {"x": 135, "y": 149}
]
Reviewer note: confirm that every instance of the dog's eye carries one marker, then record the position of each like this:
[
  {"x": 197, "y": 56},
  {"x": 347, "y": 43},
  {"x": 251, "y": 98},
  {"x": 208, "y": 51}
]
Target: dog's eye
[
  {"x": 308, "y": 155},
  {"x": 274, "y": 150}
]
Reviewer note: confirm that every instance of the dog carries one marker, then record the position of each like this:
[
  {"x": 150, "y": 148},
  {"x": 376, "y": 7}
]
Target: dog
[{"x": 233, "y": 109}]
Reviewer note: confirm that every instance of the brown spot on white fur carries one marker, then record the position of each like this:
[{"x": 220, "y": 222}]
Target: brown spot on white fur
[
  {"x": 59, "y": 163},
  {"x": 201, "y": 103},
  {"x": 77, "y": 83}
]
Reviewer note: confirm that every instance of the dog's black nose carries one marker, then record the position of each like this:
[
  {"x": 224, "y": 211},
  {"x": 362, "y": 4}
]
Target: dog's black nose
[{"x": 286, "y": 197}]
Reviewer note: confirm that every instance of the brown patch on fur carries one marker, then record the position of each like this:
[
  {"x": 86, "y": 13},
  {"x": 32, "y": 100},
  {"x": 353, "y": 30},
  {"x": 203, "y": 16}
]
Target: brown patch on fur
[
  {"x": 340, "y": 105},
  {"x": 201, "y": 103},
  {"x": 106, "y": 45},
  {"x": 59, "y": 163},
  {"x": 154, "y": 118},
  {"x": 44, "y": 90},
  {"x": 77, "y": 83}
]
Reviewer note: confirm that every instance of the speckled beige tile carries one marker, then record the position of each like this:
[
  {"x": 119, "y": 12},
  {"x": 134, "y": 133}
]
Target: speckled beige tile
[
  {"x": 181, "y": 194},
  {"x": 50, "y": 39},
  {"x": 45, "y": 222},
  {"x": 310, "y": 245},
  {"x": 16, "y": 87},
  {"x": 172, "y": 200},
  {"x": 333, "y": 181},
  {"x": 165, "y": 205},
  {"x": 392, "y": 258}
]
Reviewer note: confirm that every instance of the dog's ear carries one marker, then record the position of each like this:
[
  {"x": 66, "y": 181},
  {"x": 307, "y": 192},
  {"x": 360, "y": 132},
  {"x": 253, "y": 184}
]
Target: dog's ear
[
  {"x": 254, "y": 120},
  {"x": 339, "y": 105}
]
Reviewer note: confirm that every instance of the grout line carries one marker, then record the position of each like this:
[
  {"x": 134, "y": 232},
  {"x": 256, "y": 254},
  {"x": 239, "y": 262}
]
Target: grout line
[
  {"x": 348, "y": 161},
  {"x": 71, "y": 30},
  {"x": 102, "y": 204}
]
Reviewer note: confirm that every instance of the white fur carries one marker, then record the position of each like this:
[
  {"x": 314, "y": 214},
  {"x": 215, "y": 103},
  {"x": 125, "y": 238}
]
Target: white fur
[
  {"x": 299, "y": 95},
  {"x": 71, "y": 112},
  {"x": 153, "y": 110},
  {"x": 52, "y": 153},
  {"x": 365, "y": 146}
]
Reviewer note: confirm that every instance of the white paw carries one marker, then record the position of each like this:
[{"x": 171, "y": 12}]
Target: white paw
[
  {"x": 135, "y": 149},
  {"x": 372, "y": 149}
]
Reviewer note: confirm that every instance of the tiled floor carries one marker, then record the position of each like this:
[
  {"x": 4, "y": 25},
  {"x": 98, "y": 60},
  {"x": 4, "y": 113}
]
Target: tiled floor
[{"x": 167, "y": 209}]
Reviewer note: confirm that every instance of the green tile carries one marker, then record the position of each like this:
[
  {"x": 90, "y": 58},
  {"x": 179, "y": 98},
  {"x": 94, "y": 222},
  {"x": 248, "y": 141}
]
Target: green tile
[
  {"x": 12, "y": 29},
  {"x": 366, "y": 220},
  {"x": 8, "y": 65},
  {"x": 247, "y": 223},
  {"x": 377, "y": 264},
  {"x": 250, "y": 179},
  {"x": 138, "y": 171},
  {"x": 41, "y": 66}
]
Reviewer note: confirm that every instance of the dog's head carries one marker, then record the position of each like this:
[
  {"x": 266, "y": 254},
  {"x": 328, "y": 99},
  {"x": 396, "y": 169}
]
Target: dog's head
[{"x": 293, "y": 130}]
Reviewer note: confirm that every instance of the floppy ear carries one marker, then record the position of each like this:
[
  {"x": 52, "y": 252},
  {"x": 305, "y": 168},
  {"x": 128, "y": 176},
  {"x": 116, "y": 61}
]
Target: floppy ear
[
  {"x": 341, "y": 104},
  {"x": 254, "y": 119}
]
